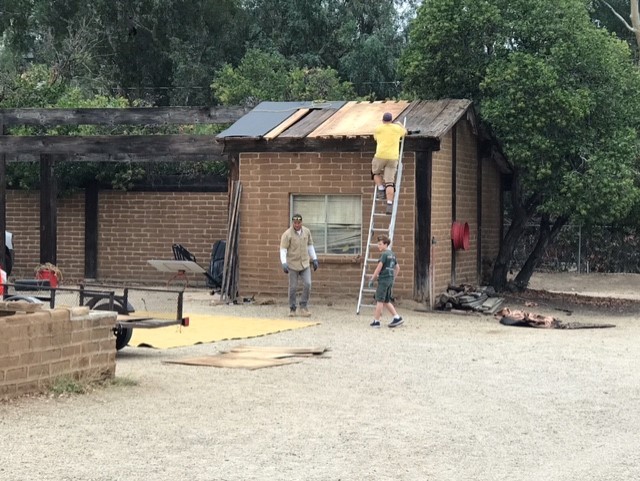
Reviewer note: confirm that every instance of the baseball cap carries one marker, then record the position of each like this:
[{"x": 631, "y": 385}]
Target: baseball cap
[{"x": 387, "y": 117}]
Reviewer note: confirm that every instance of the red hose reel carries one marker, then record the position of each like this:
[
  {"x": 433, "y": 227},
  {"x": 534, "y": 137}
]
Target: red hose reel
[{"x": 460, "y": 235}]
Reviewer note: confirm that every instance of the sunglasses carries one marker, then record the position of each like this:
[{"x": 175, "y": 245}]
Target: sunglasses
[{"x": 297, "y": 218}]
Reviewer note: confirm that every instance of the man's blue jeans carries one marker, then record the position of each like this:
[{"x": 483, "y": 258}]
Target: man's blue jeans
[{"x": 293, "y": 286}]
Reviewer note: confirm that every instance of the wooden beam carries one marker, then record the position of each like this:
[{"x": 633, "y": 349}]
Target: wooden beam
[
  {"x": 124, "y": 157},
  {"x": 320, "y": 144},
  {"x": 110, "y": 144},
  {"x": 127, "y": 116}
]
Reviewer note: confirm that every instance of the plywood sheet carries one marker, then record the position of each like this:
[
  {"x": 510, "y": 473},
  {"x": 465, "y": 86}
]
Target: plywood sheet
[
  {"x": 233, "y": 362},
  {"x": 357, "y": 119},
  {"x": 280, "y": 349}
]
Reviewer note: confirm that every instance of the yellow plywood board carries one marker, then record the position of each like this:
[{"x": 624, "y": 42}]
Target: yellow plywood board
[
  {"x": 286, "y": 124},
  {"x": 357, "y": 119},
  {"x": 211, "y": 328}
]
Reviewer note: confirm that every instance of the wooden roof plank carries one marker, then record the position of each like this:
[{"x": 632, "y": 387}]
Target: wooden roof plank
[{"x": 284, "y": 125}]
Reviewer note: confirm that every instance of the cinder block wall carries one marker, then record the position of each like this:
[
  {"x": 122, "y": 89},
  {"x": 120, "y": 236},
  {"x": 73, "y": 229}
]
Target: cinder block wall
[
  {"x": 269, "y": 179},
  {"x": 134, "y": 227},
  {"x": 38, "y": 348}
]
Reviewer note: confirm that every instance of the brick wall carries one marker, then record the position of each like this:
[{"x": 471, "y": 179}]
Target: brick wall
[
  {"x": 466, "y": 268},
  {"x": 441, "y": 213},
  {"x": 133, "y": 228},
  {"x": 269, "y": 179},
  {"x": 466, "y": 202},
  {"x": 38, "y": 348}
]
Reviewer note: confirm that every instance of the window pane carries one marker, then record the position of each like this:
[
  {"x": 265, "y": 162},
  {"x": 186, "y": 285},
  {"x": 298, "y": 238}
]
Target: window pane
[{"x": 335, "y": 221}]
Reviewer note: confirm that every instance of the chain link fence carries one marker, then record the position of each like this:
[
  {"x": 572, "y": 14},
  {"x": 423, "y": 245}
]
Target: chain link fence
[{"x": 611, "y": 249}]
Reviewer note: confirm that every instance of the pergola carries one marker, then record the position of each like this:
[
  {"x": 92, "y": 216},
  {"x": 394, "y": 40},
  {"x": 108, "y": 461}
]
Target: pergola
[{"x": 48, "y": 150}]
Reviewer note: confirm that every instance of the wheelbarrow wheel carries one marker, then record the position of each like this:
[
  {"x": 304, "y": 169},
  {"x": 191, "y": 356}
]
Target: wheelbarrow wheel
[{"x": 123, "y": 334}]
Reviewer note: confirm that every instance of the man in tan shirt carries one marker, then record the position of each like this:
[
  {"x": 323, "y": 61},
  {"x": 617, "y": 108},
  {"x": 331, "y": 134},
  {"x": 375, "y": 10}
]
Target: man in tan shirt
[{"x": 296, "y": 254}]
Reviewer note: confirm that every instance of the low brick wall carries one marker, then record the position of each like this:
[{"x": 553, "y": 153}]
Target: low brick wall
[{"x": 40, "y": 347}]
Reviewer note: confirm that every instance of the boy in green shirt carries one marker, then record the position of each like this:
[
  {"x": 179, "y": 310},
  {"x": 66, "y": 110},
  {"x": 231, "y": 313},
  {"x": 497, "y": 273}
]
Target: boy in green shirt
[{"x": 386, "y": 272}]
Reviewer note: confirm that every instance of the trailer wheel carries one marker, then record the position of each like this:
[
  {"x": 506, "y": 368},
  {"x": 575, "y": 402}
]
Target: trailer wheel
[{"x": 123, "y": 334}]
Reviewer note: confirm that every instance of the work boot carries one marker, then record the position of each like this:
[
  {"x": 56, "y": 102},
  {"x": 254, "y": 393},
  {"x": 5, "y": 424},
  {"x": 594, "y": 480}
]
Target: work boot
[
  {"x": 304, "y": 312},
  {"x": 389, "y": 209},
  {"x": 381, "y": 194}
]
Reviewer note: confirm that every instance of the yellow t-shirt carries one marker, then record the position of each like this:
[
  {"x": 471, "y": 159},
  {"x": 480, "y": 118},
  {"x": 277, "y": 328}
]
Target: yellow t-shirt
[{"x": 387, "y": 137}]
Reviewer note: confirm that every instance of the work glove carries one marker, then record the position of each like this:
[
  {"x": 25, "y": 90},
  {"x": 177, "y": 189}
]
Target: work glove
[
  {"x": 315, "y": 265},
  {"x": 285, "y": 268},
  {"x": 371, "y": 282}
]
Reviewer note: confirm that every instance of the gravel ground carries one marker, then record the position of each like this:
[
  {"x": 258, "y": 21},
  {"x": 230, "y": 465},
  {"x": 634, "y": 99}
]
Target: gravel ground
[{"x": 444, "y": 397}]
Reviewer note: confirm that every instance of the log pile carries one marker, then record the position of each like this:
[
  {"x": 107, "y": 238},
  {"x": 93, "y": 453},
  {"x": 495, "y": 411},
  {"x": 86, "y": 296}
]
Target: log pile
[{"x": 469, "y": 298}]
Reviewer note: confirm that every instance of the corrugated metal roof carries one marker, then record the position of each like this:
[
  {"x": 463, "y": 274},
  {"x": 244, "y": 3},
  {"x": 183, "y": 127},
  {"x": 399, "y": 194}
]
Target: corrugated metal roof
[
  {"x": 269, "y": 115},
  {"x": 296, "y": 120}
]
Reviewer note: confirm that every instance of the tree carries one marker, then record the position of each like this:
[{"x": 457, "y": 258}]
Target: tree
[
  {"x": 616, "y": 6},
  {"x": 159, "y": 51},
  {"x": 556, "y": 95},
  {"x": 269, "y": 76},
  {"x": 361, "y": 39}
]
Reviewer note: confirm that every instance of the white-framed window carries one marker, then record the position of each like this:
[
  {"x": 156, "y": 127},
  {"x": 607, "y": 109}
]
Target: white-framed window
[{"x": 335, "y": 221}]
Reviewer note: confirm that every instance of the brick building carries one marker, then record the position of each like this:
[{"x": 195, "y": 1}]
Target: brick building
[{"x": 315, "y": 158}]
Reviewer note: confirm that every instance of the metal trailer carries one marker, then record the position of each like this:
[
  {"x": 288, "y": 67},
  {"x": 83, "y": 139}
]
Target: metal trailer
[{"x": 107, "y": 298}]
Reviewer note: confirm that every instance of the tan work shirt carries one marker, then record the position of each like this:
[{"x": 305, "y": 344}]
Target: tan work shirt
[{"x": 296, "y": 245}]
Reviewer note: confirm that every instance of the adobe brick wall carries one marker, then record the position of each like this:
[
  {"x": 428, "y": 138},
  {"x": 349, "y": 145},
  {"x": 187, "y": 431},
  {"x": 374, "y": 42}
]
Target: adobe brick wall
[
  {"x": 466, "y": 202},
  {"x": 268, "y": 180},
  {"x": 40, "y": 347},
  {"x": 441, "y": 212},
  {"x": 466, "y": 267},
  {"x": 133, "y": 228}
]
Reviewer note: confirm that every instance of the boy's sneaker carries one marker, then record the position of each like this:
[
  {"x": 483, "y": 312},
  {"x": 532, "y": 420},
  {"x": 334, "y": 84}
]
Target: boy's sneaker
[
  {"x": 396, "y": 322},
  {"x": 304, "y": 312},
  {"x": 389, "y": 209},
  {"x": 381, "y": 194},
  {"x": 375, "y": 323},
  {"x": 292, "y": 313}
]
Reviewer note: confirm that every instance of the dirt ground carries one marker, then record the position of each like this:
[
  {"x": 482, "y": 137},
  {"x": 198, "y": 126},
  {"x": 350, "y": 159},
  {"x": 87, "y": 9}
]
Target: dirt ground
[{"x": 444, "y": 397}]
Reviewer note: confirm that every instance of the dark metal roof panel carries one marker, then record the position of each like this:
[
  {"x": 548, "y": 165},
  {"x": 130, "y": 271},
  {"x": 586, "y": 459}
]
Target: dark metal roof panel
[{"x": 268, "y": 115}]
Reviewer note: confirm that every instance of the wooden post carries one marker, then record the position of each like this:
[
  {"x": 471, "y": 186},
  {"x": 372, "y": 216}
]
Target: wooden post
[
  {"x": 91, "y": 229},
  {"x": 3, "y": 199},
  {"x": 48, "y": 210}
]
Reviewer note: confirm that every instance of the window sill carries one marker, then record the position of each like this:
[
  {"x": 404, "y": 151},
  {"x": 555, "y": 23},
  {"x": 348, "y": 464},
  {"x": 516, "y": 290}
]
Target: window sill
[{"x": 340, "y": 259}]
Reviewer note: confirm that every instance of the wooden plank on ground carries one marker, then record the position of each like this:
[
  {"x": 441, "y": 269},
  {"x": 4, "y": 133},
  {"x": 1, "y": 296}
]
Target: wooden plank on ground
[
  {"x": 281, "y": 349},
  {"x": 233, "y": 362}
]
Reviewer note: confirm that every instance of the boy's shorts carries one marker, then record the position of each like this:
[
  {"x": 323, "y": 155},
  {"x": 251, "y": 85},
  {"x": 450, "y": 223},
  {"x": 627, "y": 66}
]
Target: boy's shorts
[{"x": 383, "y": 291}]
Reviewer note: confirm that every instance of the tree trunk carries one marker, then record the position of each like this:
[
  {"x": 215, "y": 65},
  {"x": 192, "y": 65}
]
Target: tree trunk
[
  {"x": 546, "y": 236},
  {"x": 521, "y": 216}
]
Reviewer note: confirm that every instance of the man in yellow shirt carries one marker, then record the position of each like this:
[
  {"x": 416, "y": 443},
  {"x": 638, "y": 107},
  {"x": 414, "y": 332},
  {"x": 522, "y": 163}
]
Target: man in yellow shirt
[{"x": 385, "y": 161}]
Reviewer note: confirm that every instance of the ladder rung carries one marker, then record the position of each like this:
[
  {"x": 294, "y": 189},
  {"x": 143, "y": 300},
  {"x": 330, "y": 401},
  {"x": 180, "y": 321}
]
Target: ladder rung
[
  {"x": 367, "y": 305},
  {"x": 372, "y": 260}
]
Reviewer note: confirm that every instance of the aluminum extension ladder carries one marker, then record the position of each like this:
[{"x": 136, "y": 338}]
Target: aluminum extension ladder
[{"x": 378, "y": 225}]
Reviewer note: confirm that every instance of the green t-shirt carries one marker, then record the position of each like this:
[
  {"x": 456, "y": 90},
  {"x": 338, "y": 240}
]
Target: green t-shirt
[{"x": 388, "y": 259}]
